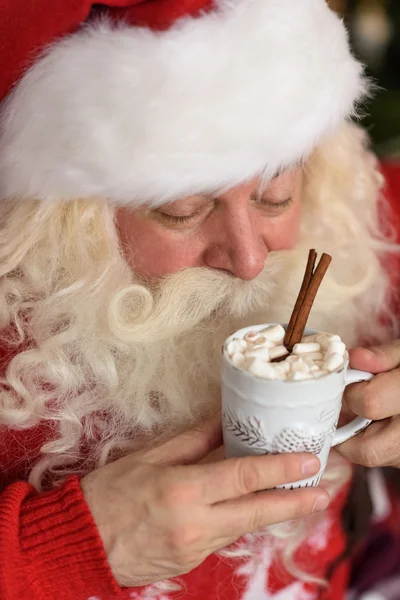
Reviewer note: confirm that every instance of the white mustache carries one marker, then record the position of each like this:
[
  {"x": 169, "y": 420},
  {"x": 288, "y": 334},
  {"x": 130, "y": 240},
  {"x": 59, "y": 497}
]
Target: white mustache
[{"x": 185, "y": 299}]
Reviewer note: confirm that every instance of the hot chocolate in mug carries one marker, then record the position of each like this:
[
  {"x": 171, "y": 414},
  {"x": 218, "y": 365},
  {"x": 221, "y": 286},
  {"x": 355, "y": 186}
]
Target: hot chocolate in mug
[{"x": 272, "y": 416}]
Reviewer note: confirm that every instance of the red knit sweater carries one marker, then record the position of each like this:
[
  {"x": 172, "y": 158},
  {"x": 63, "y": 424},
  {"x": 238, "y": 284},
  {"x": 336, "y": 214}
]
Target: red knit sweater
[{"x": 50, "y": 548}]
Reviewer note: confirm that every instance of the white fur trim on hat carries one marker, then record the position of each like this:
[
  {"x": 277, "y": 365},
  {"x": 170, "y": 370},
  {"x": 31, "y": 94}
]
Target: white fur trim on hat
[{"x": 138, "y": 116}]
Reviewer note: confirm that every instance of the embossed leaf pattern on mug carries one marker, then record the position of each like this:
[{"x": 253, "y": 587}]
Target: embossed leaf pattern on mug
[{"x": 250, "y": 431}]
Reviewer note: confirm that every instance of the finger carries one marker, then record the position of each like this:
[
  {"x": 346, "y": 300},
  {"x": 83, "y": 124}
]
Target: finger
[
  {"x": 376, "y": 399},
  {"x": 379, "y": 445},
  {"x": 377, "y": 359},
  {"x": 346, "y": 415},
  {"x": 257, "y": 511},
  {"x": 237, "y": 477},
  {"x": 215, "y": 456},
  {"x": 189, "y": 447}
]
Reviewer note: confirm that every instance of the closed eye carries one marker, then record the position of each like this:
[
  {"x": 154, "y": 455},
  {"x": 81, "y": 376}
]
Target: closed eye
[
  {"x": 180, "y": 218},
  {"x": 275, "y": 206}
]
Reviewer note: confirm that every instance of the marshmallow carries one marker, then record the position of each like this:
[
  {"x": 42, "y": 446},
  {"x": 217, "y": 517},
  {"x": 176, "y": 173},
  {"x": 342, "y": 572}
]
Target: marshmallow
[
  {"x": 333, "y": 337},
  {"x": 262, "y": 341},
  {"x": 277, "y": 352},
  {"x": 300, "y": 367},
  {"x": 336, "y": 348},
  {"x": 259, "y": 368},
  {"x": 306, "y": 348},
  {"x": 275, "y": 333},
  {"x": 293, "y": 358},
  {"x": 309, "y": 338},
  {"x": 312, "y": 356},
  {"x": 325, "y": 338},
  {"x": 252, "y": 336},
  {"x": 333, "y": 362},
  {"x": 235, "y": 346},
  {"x": 285, "y": 366},
  {"x": 260, "y": 352},
  {"x": 238, "y": 359},
  {"x": 280, "y": 371}
]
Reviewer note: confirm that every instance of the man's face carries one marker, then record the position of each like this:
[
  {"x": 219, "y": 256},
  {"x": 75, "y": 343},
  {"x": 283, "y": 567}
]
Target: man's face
[{"x": 232, "y": 232}]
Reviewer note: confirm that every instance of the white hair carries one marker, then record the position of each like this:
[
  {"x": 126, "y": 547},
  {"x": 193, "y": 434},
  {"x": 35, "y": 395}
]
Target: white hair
[{"x": 111, "y": 362}]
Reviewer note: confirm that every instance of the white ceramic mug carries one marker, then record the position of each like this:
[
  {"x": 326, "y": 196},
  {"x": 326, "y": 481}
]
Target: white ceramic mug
[{"x": 271, "y": 416}]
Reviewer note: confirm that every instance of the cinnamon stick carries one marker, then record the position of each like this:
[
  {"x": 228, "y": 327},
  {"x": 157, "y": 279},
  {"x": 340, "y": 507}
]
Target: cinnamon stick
[
  {"x": 305, "y": 309},
  {"x": 310, "y": 285},
  {"x": 312, "y": 257}
]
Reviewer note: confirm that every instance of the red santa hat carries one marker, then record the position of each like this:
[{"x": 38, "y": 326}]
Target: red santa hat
[{"x": 148, "y": 101}]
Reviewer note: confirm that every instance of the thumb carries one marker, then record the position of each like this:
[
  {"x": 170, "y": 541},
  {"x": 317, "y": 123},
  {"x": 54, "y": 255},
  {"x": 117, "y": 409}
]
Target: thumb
[
  {"x": 377, "y": 359},
  {"x": 189, "y": 447}
]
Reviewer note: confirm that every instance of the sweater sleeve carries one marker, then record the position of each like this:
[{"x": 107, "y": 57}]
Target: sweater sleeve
[{"x": 50, "y": 548}]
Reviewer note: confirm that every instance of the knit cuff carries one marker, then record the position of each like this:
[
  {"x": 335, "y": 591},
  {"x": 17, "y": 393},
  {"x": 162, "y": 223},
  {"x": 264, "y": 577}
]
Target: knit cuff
[{"x": 62, "y": 547}]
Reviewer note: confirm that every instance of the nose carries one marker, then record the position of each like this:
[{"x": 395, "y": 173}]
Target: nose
[{"x": 239, "y": 249}]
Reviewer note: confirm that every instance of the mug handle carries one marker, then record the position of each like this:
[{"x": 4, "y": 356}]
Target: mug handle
[{"x": 358, "y": 424}]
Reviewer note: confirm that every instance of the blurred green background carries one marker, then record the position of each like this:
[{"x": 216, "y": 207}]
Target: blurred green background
[{"x": 375, "y": 34}]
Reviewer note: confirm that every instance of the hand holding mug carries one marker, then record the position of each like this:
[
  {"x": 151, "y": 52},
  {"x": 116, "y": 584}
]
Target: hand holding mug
[
  {"x": 378, "y": 400},
  {"x": 160, "y": 512},
  {"x": 263, "y": 415}
]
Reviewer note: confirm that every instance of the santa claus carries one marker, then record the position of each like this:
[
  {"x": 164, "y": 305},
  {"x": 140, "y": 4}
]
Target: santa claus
[{"x": 165, "y": 165}]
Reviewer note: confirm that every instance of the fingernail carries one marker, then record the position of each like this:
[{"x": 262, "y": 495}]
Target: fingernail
[
  {"x": 310, "y": 465},
  {"x": 321, "y": 503}
]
